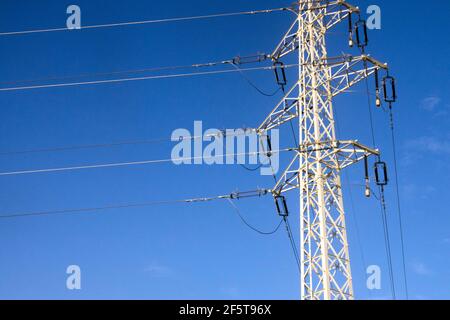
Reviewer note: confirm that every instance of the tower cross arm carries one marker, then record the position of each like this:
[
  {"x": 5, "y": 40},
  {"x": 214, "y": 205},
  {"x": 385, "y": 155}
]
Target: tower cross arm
[
  {"x": 333, "y": 12},
  {"x": 335, "y": 155},
  {"x": 283, "y": 112},
  {"x": 347, "y": 153},
  {"x": 288, "y": 43},
  {"x": 337, "y": 12},
  {"x": 348, "y": 71}
]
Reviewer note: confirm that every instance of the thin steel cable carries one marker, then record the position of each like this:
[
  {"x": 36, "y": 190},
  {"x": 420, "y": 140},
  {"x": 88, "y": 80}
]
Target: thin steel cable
[
  {"x": 123, "y": 72},
  {"x": 167, "y": 76},
  {"x": 369, "y": 104},
  {"x": 201, "y": 65},
  {"x": 355, "y": 221},
  {"x": 387, "y": 240},
  {"x": 290, "y": 121},
  {"x": 292, "y": 241},
  {"x": 249, "y": 225},
  {"x": 122, "y": 164},
  {"x": 382, "y": 196},
  {"x": 258, "y": 193},
  {"x": 293, "y": 133},
  {"x": 113, "y": 144},
  {"x": 286, "y": 219},
  {"x": 84, "y": 210},
  {"x": 250, "y": 82},
  {"x": 289, "y": 232},
  {"x": 143, "y": 22},
  {"x": 143, "y": 70},
  {"x": 134, "y": 163},
  {"x": 352, "y": 203},
  {"x": 112, "y": 73},
  {"x": 81, "y": 147},
  {"x": 400, "y": 218},
  {"x": 251, "y": 169}
]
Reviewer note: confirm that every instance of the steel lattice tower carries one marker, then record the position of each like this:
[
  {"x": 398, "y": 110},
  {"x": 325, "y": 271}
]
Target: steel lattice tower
[{"x": 320, "y": 157}]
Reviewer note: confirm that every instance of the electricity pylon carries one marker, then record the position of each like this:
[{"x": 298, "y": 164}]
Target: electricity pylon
[{"x": 320, "y": 157}]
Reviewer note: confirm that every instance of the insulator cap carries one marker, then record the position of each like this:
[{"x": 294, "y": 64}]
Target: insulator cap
[
  {"x": 367, "y": 192},
  {"x": 378, "y": 102}
]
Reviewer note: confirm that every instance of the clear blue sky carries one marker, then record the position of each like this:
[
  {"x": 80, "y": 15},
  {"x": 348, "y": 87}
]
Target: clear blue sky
[{"x": 202, "y": 250}]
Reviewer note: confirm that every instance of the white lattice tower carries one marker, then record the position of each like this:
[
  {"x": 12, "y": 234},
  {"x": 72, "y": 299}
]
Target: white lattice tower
[{"x": 316, "y": 166}]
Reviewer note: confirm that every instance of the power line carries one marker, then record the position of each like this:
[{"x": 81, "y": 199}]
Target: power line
[
  {"x": 369, "y": 106},
  {"x": 292, "y": 242},
  {"x": 355, "y": 221},
  {"x": 260, "y": 91},
  {"x": 252, "y": 84},
  {"x": 248, "y": 194},
  {"x": 135, "y": 163},
  {"x": 143, "y": 22},
  {"x": 387, "y": 239},
  {"x": 123, "y": 143},
  {"x": 235, "y": 62},
  {"x": 87, "y": 146},
  {"x": 104, "y": 74},
  {"x": 123, "y": 164},
  {"x": 400, "y": 218},
  {"x": 249, "y": 225},
  {"x": 120, "y": 80},
  {"x": 382, "y": 198},
  {"x": 285, "y": 219},
  {"x": 353, "y": 207},
  {"x": 239, "y": 60},
  {"x": 383, "y": 204},
  {"x": 384, "y": 219}
]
